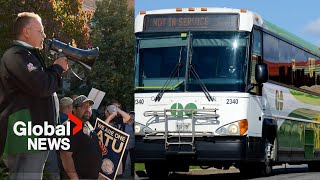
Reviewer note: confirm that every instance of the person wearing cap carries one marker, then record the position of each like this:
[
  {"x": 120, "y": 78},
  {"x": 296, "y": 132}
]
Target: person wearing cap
[
  {"x": 115, "y": 116},
  {"x": 84, "y": 158},
  {"x": 65, "y": 108}
]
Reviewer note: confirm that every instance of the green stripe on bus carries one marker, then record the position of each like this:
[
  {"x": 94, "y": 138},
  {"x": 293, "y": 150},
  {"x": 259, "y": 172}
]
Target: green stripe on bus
[
  {"x": 292, "y": 134},
  {"x": 305, "y": 98},
  {"x": 160, "y": 87}
]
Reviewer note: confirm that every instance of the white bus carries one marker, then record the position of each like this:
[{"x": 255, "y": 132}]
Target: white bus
[{"x": 220, "y": 87}]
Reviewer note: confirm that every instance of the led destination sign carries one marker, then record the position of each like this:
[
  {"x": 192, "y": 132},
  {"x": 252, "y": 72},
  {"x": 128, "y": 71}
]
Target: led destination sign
[{"x": 190, "y": 22}]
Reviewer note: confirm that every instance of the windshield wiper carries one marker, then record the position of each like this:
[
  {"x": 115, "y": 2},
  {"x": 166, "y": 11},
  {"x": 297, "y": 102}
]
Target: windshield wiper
[
  {"x": 203, "y": 87},
  {"x": 195, "y": 74},
  {"x": 174, "y": 71}
]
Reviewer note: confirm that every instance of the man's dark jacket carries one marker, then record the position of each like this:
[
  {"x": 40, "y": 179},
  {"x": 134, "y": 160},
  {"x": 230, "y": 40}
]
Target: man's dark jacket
[{"x": 26, "y": 94}]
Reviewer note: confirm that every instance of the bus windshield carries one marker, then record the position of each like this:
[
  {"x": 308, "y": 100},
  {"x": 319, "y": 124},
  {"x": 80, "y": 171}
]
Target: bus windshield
[{"x": 218, "y": 59}]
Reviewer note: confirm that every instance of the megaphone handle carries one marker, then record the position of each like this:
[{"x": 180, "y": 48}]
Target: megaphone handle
[
  {"x": 75, "y": 74},
  {"x": 59, "y": 54}
]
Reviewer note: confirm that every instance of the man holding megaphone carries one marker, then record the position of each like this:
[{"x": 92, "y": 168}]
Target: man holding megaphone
[{"x": 27, "y": 93}]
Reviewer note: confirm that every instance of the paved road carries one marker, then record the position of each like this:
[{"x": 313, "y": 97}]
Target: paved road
[{"x": 288, "y": 172}]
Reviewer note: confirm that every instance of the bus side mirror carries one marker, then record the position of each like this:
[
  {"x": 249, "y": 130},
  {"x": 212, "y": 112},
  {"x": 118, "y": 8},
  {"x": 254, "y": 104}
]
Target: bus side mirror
[{"x": 261, "y": 73}]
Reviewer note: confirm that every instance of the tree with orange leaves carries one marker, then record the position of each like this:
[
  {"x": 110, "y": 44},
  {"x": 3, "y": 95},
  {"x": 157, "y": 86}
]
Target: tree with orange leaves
[{"x": 63, "y": 19}]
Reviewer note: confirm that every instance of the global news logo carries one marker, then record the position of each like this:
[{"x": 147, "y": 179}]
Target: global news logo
[{"x": 48, "y": 137}]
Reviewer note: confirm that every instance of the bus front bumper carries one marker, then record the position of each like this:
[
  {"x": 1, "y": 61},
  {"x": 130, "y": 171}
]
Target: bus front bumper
[{"x": 231, "y": 148}]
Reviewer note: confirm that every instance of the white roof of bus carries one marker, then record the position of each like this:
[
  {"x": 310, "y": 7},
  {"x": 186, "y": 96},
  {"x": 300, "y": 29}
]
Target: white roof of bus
[{"x": 247, "y": 18}]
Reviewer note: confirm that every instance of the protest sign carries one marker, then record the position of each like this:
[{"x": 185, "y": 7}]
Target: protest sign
[
  {"x": 113, "y": 143},
  {"x": 97, "y": 96}
]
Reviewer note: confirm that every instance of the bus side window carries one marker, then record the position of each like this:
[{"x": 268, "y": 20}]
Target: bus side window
[
  {"x": 256, "y": 42},
  {"x": 256, "y": 57}
]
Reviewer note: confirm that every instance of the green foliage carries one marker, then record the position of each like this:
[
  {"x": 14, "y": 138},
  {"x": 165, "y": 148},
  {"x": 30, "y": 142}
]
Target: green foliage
[
  {"x": 113, "y": 33},
  {"x": 71, "y": 22},
  {"x": 62, "y": 18}
]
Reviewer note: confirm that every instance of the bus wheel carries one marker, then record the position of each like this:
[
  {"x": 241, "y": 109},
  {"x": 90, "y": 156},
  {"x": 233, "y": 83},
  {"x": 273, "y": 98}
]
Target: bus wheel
[
  {"x": 249, "y": 170},
  {"x": 269, "y": 155},
  {"x": 157, "y": 170},
  {"x": 314, "y": 166},
  {"x": 245, "y": 171}
]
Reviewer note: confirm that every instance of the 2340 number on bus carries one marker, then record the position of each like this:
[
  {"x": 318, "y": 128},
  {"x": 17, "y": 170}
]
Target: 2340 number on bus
[
  {"x": 139, "y": 101},
  {"x": 232, "y": 101}
]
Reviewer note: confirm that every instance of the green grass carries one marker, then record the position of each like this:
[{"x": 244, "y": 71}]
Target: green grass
[
  {"x": 140, "y": 167},
  {"x": 194, "y": 167}
]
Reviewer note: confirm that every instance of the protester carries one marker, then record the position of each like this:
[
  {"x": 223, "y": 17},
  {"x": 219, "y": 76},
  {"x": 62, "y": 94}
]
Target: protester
[
  {"x": 84, "y": 158},
  {"x": 115, "y": 116},
  {"x": 27, "y": 94},
  {"x": 65, "y": 108},
  {"x": 95, "y": 114},
  {"x": 129, "y": 152}
]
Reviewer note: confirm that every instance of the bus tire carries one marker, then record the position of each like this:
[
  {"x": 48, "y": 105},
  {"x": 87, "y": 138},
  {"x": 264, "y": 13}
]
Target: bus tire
[
  {"x": 265, "y": 169},
  {"x": 269, "y": 155},
  {"x": 246, "y": 171},
  {"x": 314, "y": 166},
  {"x": 157, "y": 170},
  {"x": 274, "y": 155},
  {"x": 249, "y": 170}
]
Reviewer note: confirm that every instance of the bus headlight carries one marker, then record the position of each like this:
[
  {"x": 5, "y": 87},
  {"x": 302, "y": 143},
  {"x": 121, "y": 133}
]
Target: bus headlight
[
  {"x": 233, "y": 129},
  {"x": 236, "y": 128},
  {"x": 137, "y": 129},
  {"x": 222, "y": 131}
]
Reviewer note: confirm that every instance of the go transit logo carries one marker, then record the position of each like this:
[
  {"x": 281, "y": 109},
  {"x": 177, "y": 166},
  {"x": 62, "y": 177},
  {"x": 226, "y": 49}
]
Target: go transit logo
[
  {"x": 48, "y": 137},
  {"x": 279, "y": 100},
  {"x": 179, "y": 106}
]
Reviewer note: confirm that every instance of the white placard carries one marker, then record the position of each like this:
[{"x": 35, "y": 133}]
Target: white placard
[{"x": 97, "y": 96}]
